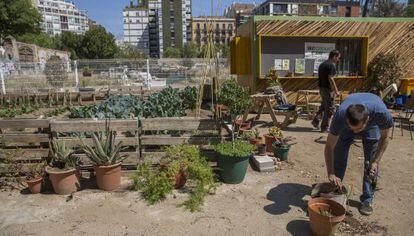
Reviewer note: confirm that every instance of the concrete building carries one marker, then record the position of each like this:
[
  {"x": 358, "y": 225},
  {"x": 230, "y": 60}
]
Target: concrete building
[
  {"x": 241, "y": 12},
  {"x": 309, "y": 8},
  {"x": 60, "y": 15},
  {"x": 153, "y": 25},
  {"x": 223, "y": 30}
]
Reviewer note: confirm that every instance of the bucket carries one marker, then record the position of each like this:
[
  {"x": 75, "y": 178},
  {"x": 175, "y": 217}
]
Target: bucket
[{"x": 325, "y": 216}]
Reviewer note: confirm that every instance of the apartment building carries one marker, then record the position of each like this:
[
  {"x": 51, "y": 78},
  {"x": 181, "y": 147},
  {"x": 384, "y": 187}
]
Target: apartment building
[
  {"x": 153, "y": 25},
  {"x": 241, "y": 12},
  {"x": 61, "y": 15},
  {"x": 222, "y": 30},
  {"x": 309, "y": 8}
]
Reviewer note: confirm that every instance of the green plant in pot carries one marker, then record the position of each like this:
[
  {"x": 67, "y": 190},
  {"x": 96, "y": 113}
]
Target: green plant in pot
[
  {"x": 232, "y": 160},
  {"x": 106, "y": 158},
  {"x": 181, "y": 166},
  {"x": 86, "y": 71},
  {"x": 274, "y": 133},
  {"x": 62, "y": 168},
  {"x": 34, "y": 177},
  {"x": 282, "y": 146}
]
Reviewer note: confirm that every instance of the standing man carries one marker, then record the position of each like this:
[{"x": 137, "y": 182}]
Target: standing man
[
  {"x": 327, "y": 90},
  {"x": 365, "y": 115}
]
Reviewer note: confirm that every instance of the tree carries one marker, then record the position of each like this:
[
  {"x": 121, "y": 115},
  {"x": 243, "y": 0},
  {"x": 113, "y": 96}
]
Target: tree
[
  {"x": 172, "y": 52},
  {"x": 72, "y": 43},
  {"x": 130, "y": 52},
  {"x": 40, "y": 39},
  {"x": 190, "y": 50},
  {"x": 383, "y": 71},
  {"x": 388, "y": 8},
  {"x": 98, "y": 44},
  {"x": 18, "y": 17},
  {"x": 410, "y": 8}
]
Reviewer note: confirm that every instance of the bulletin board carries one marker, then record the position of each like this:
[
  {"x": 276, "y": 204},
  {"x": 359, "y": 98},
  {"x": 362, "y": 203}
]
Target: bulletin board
[{"x": 301, "y": 56}]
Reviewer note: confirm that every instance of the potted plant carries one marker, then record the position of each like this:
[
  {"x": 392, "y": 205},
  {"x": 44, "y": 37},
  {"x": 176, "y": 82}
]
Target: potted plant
[
  {"x": 34, "y": 177},
  {"x": 106, "y": 158},
  {"x": 282, "y": 146},
  {"x": 179, "y": 165},
  {"x": 62, "y": 168},
  {"x": 272, "y": 135},
  {"x": 232, "y": 160},
  {"x": 325, "y": 216},
  {"x": 86, "y": 71}
]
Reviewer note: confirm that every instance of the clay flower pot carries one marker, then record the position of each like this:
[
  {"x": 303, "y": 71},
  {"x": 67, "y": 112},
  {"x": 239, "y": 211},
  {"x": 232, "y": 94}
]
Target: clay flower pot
[
  {"x": 180, "y": 179},
  {"x": 256, "y": 141},
  {"x": 325, "y": 215},
  {"x": 35, "y": 185},
  {"x": 64, "y": 181},
  {"x": 108, "y": 178},
  {"x": 269, "y": 140}
]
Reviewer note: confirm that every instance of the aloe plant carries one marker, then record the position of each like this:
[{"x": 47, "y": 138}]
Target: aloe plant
[
  {"x": 104, "y": 151},
  {"x": 62, "y": 156}
]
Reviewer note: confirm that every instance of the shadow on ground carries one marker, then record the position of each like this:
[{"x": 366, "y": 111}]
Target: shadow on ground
[
  {"x": 286, "y": 195},
  {"x": 298, "y": 227}
]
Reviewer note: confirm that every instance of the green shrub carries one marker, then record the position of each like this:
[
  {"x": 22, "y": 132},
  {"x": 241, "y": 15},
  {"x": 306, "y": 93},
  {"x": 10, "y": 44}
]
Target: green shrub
[
  {"x": 234, "y": 149},
  {"x": 383, "y": 71},
  {"x": 189, "y": 97}
]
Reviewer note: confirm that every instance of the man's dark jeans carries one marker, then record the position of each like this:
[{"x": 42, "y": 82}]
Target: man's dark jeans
[
  {"x": 370, "y": 139},
  {"x": 326, "y": 109}
]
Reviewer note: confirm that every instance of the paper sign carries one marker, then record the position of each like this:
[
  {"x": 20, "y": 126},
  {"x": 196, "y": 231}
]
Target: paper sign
[
  {"x": 300, "y": 66},
  {"x": 318, "y": 50},
  {"x": 278, "y": 64},
  {"x": 285, "y": 64}
]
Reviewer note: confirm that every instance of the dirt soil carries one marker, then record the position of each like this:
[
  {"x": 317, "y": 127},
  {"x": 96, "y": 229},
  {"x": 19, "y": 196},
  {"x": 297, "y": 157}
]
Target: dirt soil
[{"x": 264, "y": 204}]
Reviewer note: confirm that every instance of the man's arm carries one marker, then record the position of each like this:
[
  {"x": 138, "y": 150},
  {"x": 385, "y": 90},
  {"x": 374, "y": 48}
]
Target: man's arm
[
  {"x": 329, "y": 159},
  {"x": 382, "y": 146},
  {"x": 333, "y": 85}
]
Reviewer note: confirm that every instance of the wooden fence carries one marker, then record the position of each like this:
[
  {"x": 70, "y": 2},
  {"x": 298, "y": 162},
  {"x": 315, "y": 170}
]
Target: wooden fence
[
  {"x": 52, "y": 98},
  {"x": 27, "y": 140}
]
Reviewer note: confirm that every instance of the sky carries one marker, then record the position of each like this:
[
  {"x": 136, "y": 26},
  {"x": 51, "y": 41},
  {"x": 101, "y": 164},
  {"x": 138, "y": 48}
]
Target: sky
[{"x": 109, "y": 12}]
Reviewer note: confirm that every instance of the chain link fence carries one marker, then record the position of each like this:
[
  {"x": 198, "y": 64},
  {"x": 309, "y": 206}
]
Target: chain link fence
[{"x": 38, "y": 77}]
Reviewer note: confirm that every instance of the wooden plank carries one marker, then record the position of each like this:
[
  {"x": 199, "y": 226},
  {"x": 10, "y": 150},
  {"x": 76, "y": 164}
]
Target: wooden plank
[
  {"x": 23, "y": 138},
  {"x": 92, "y": 125},
  {"x": 182, "y": 123},
  {"x": 24, "y": 154},
  {"x": 24, "y": 123},
  {"x": 133, "y": 158},
  {"x": 75, "y": 142},
  {"x": 169, "y": 140}
]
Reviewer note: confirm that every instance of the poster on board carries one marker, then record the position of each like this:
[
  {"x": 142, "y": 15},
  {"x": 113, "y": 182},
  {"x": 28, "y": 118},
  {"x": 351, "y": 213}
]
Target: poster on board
[
  {"x": 300, "y": 66},
  {"x": 278, "y": 64},
  {"x": 318, "y": 50},
  {"x": 285, "y": 64}
]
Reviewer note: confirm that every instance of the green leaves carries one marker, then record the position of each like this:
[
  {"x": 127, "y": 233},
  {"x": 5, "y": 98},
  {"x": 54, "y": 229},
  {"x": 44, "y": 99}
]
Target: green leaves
[
  {"x": 189, "y": 97},
  {"x": 235, "y": 97},
  {"x": 234, "y": 149},
  {"x": 383, "y": 70},
  {"x": 62, "y": 156},
  {"x": 166, "y": 103}
]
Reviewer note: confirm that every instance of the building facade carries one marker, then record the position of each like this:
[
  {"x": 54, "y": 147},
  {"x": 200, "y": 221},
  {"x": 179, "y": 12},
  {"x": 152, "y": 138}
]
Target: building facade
[
  {"x": 309, "y": 8},
  {"x": 241, "y": 12},
  {"x": 61, "y": 15},
  {"x": 222, "y": 29},
  {"x": 153, "y": 25}
]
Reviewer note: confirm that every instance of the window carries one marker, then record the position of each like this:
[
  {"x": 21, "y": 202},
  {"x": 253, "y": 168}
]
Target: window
[
  {"x": 279, "y": 8},
  {"x": 348, "y": 12},
  {"x": 198, "y": 25}
]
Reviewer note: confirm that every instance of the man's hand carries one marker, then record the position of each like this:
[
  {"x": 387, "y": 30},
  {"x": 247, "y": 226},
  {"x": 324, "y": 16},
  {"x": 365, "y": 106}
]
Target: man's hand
[
  {"x": 335, "y": 180},
  {"x": 373, "y": 170}
]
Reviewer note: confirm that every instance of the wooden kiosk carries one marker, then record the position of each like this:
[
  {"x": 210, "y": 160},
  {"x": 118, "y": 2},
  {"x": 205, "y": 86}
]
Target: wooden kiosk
[{"x": 296, "y": 45}]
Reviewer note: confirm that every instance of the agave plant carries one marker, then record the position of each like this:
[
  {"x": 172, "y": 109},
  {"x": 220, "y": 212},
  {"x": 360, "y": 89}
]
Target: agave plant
[
  {"x": 62, "y": 156},
  {"x": 104, "y": 151}
]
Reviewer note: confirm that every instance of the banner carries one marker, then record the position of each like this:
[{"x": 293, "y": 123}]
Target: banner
[{"x": 318, "y": 50}]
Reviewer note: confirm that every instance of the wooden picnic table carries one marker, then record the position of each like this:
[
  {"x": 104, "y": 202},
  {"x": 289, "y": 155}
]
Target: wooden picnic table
[
  {"x": 261, "y": 100},
  {"x": 315, "y": 105}
]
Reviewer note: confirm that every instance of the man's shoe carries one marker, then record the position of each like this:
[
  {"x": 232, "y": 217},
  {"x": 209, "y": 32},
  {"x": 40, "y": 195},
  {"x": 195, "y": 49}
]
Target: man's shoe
[
  {"x": 315, "y": 124},
  {"x": 366, "y": 208}
]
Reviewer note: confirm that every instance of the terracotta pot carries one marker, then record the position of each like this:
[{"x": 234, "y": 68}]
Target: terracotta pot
[
  {"x": 108, "y": 178},
  {"x": 256, "y": 141},
  {"x": 64, "y": 181},
  {"x": 180, "y": 179},
  {"x": 35, "y": 185},
  {"x": 269, "y": 140},
  {"x": 322, "y": 224}
]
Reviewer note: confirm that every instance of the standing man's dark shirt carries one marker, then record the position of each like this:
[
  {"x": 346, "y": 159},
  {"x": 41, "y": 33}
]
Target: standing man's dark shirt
[{"x": 326, "y": 69}]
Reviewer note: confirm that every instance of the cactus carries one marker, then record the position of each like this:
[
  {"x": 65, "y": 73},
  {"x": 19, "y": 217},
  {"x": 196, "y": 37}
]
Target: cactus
[
  {"x": 62, "y": 156},
  {"x": 104, "y": 151}
]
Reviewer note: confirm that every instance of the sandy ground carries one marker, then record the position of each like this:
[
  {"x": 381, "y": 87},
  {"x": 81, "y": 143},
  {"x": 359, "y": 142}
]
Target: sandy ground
[{"x": 264, "y": 204}]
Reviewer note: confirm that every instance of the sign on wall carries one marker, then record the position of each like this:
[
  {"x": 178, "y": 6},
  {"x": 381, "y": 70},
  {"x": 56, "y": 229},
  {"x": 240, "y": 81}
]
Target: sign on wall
[
  {"x": 318, "y": 50},
  {"x": 300, "y": 66}
]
